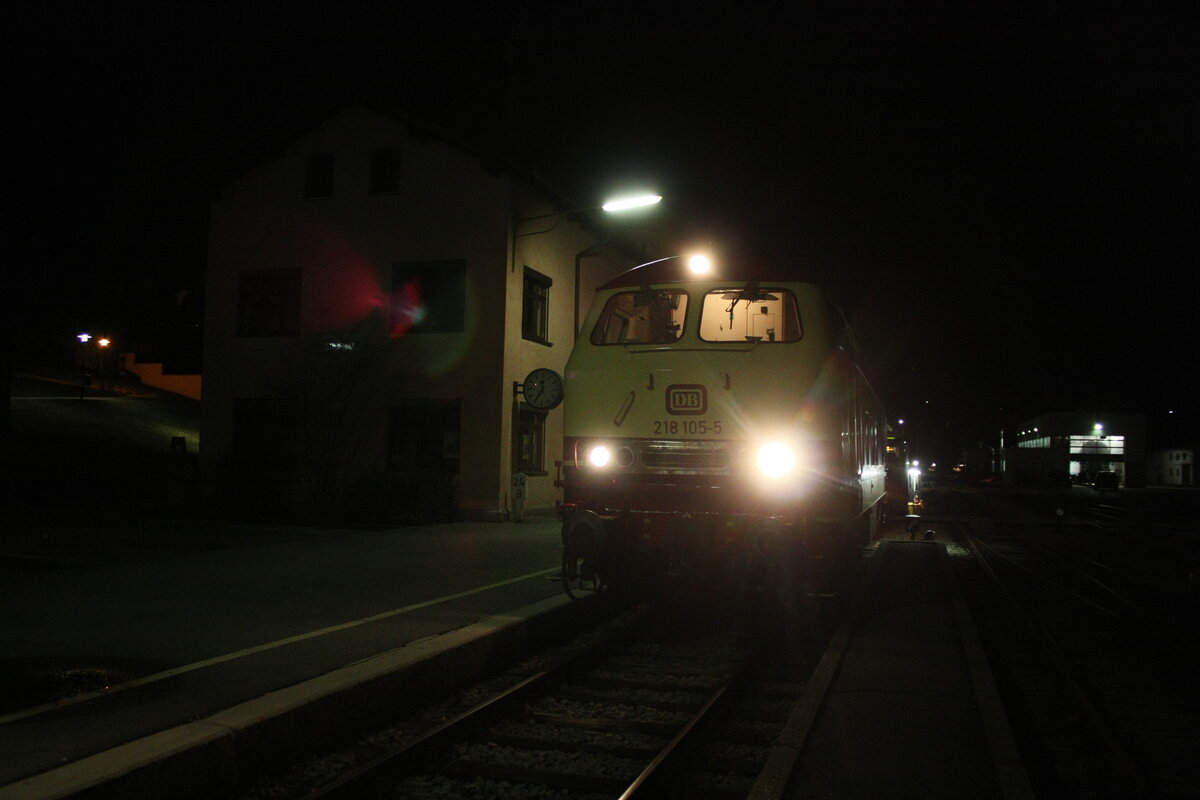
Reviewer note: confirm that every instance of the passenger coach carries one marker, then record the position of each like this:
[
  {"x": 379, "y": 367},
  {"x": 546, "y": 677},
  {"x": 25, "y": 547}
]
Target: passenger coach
[{"x": 718, "y": 426}]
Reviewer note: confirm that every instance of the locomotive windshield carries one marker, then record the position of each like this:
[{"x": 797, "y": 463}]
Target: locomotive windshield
[
  {"x": 750, "y": 313},
  {"x": 642, "y": 317}
]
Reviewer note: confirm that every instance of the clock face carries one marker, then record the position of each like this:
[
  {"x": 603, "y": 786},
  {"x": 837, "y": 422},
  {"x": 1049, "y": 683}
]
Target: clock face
[{"x": 543, "y": 389}]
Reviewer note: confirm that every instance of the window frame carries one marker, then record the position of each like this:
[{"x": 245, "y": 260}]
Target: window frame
[
  {"x": 531, "y": 420},
  {"x": 535, "y": 307},
  {"x": 794, "y": 304},
  {"x": 596, "y": 337}
]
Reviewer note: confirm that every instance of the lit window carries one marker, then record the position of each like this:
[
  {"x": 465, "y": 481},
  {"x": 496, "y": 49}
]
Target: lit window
[
  {"x": 642, "y": 317},
  {"x": 1098, "y": 445},
  {"x": 535, "y": 314},
  {"x": 750, "y": 313}
]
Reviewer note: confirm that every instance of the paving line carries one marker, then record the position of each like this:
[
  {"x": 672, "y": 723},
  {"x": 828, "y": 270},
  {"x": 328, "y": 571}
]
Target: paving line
[{"x": 170, "y": 673}]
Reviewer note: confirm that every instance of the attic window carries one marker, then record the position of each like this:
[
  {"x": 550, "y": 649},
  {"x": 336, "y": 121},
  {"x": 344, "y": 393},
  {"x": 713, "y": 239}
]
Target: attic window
[
  {"x": 385, "y": 171},
  {"x": 318, "y": 180}
]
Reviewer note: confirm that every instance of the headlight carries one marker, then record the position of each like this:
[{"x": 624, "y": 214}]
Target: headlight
[
  {"x": 599, "y": 456},
  {"x": 776, "y": 459}
]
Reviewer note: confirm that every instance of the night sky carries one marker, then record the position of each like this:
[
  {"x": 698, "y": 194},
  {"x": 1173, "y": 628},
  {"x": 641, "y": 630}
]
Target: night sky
[{"x": 1004, "y": 201}]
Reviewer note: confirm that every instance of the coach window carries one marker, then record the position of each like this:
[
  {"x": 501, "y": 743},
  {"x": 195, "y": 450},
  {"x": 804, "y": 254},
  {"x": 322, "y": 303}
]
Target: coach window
[
  {"x": 750, "y": 314},
  {"x": 535, "y": 313}
]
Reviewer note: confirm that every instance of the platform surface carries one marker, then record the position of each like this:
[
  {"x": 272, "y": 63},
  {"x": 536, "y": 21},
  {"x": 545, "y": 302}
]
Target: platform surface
[
  {"x": 187, "y": 618},
  {"x": 910, "y": 710}
]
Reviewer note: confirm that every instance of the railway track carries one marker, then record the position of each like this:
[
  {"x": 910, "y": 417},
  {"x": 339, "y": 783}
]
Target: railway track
[
  {"x": 1092, "y": 636},
  {"x": 651, "y": 707}
]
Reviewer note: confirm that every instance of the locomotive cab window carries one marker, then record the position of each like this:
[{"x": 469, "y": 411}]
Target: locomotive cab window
[
  {"x": 642, "y": 317},
  {"x": 750, "y": 314}
]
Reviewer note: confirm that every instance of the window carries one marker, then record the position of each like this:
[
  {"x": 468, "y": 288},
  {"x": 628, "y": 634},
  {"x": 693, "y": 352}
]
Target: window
[
  {"x": 535, "y": 315},
  {"x": 269, "y": 302},
  {"x": 424, "y": 435},
  {"x": 385, "y": 171},
  {"x": 428, "y": 297},
  {"x": 531, "y": 444},
  {"x": 1098, "y": 445},
  {"x": 318, "y": 180},
  {"x": 264, "y": 433},
  {"x": 642, "y": 317},
  {"x": 750, "y": 314}
]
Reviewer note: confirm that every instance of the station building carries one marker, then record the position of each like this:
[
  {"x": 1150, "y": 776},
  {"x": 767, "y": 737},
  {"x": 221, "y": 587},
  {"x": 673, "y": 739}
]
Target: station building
[
  {"x": 376, "y": 294},
  {"x": 1071, "y": 447}
]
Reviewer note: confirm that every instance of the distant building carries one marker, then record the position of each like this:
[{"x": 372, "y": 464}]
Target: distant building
[
  {"x": 1071, "y": 447},
  {"x": 978, "y": 460},
  {"x": 1173, "y": 467},
  {"x": 375, "y": 295}
]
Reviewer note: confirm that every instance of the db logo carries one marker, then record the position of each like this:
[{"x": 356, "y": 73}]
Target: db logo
[{"x": 687, "y": 398}]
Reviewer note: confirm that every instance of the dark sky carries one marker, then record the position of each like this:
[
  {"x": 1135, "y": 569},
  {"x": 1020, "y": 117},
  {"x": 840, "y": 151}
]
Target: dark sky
[{"x": 1004, "y": 200}]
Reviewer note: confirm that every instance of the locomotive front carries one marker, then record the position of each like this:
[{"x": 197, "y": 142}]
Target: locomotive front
[{"x": 708, "y": 418}]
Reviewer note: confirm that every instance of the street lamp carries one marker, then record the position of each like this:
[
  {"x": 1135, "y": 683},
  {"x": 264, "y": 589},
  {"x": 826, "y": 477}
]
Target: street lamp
[
  {"x": 613, "y": 206},
  {"x": 637, "y": 201}
]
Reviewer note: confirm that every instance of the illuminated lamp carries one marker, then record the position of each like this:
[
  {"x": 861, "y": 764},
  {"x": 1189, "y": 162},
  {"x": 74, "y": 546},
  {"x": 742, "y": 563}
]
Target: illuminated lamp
[
  {"x": 776, "y": 459},
  {"x": 699, "y": 264},
  {"x": 600, "y": 456},
  {"x": 624, "y": 203}
]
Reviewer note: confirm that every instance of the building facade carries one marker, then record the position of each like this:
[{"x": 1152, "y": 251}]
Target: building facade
[
  {"x": 376, "y": 296},
  {"x": 1071, "y": 447},
  {"x": 1173, "y": 467}
]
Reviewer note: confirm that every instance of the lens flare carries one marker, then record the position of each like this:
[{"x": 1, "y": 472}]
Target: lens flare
[
  {"x": 600, "y": 456},
  {"x": 776, "y": 459}
]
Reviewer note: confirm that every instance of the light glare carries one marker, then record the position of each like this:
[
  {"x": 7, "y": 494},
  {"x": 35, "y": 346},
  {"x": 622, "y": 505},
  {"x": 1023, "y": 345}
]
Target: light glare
[
  {"x": 776, "y": 459},
  {"x": 699, "y": 264},
  {"x": 624, "y": 203},
  {"x": 600, "y": 456}
]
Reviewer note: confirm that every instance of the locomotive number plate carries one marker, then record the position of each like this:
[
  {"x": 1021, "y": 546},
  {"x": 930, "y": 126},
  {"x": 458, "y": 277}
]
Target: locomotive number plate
[{"x": 686, "y": 427}]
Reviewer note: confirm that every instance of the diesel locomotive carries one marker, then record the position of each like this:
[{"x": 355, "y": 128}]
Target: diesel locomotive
[{"x": 719, "y": 426}]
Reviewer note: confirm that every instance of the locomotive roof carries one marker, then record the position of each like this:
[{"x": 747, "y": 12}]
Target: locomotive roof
[{"x": 674, "y": 269}]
